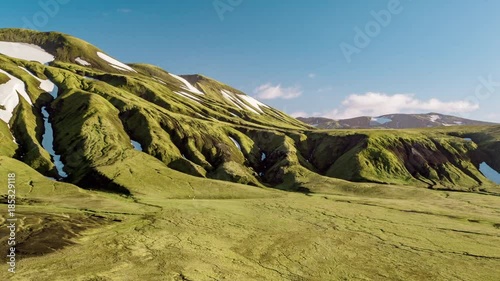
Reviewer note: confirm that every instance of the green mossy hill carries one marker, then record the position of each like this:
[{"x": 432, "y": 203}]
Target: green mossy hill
[
  {"x": 214, "y": 88},
  {"x": 488, "y": 140},
  {"x": 217, "y": 135},
  {"x": 63, "y": 47},
  {"x": 4, "y": 78}
]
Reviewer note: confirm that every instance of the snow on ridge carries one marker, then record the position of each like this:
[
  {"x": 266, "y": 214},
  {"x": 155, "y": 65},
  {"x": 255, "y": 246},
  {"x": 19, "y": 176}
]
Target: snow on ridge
[
  {"x": 9, "y": 96},
  {"x": 249, "y": 108},
  {"x": 227, "y": 95},
  {"x": 25, "y": 51},
  {"x": 115, "y": 63},
  {"x": 434, "y": 118},
  {"x": 187, "y": 85},
  {"x": 45, "y": 85},
  {"x": 234, "y": 99},
  {"x": 236, "y": 143},
  {"x": 189, "y": 96},
  {"x": 82, "y": 61},
  {"x": 253, "y": 102},
  {"x": 48, "y": 143}
]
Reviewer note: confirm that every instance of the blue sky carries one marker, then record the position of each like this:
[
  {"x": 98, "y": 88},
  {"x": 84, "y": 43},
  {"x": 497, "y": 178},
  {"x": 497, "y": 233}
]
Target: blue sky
[{"x": 321, "y": 58}]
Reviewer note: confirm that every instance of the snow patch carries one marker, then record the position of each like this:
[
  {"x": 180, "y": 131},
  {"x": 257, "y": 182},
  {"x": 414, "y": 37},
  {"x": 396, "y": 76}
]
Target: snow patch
[
  {"x": 489, "y": 172},
  {"x": 26, "y": 52},
  {"x": 82, "y": 61},
  {"x": 187, "y": 85},
  {"x": 229, "y": 96},
  {"x": 45, "y": 85},
  {"x": 240, "y": 104},
  {"x": 115, "y": 63},
  {"x": 253, "y": 102},
  {"x": 54, "y": 92},
  {"x": 434, "y": 118},
  {"x": 236, "y": 143},
  {"x": 189, "y": 96},
  {"x": 137, "y": 146},
  {"x": 238, "y": 101},
  {"x": 458, "y": 122},
  {"x": 9, "y": 96},
  {"x": 48, "y": 143}
]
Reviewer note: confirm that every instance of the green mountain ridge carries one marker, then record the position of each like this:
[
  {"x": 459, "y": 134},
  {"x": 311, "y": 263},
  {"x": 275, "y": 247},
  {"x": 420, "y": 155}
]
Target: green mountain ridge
[
  {"x": 210, "y": 131},
  {"x": 186, "y": 178}
]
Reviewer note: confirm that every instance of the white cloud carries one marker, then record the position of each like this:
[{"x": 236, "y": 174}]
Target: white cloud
[
  {"x": 312, "y": 75},
  {"x": 376, "y": 104},
  {"x": 270, "y": 92}
]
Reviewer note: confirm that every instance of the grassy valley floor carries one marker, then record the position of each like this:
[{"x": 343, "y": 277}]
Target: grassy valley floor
[{"x": 402, "y": 234}]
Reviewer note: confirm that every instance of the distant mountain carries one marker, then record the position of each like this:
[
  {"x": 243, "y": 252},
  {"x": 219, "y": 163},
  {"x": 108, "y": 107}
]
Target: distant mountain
[
  {"x": 393, "y": 121},
  {"x": 73, "y": 113}
]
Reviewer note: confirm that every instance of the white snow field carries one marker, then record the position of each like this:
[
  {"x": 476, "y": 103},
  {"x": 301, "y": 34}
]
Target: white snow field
[
  {"x": 187, "y": 85},
  {"x": 115, "y": 63},
  {"x": 83, "y": 62},
  {"x": 25, "y": 51},
  {"x": 237, "y": 100},
  {"x": 9, "y": 96},
  {"x": 228, "y": 95},
  {"x": 253, "y": 102},
  {"x": 434, "y": 118},
  {"x": 249, "y": 108},
  {"x": 45, "y": 85}
]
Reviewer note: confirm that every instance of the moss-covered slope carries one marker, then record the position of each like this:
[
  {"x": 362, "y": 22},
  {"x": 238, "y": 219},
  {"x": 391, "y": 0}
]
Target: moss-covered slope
[{"x": 206, "y": 129}]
